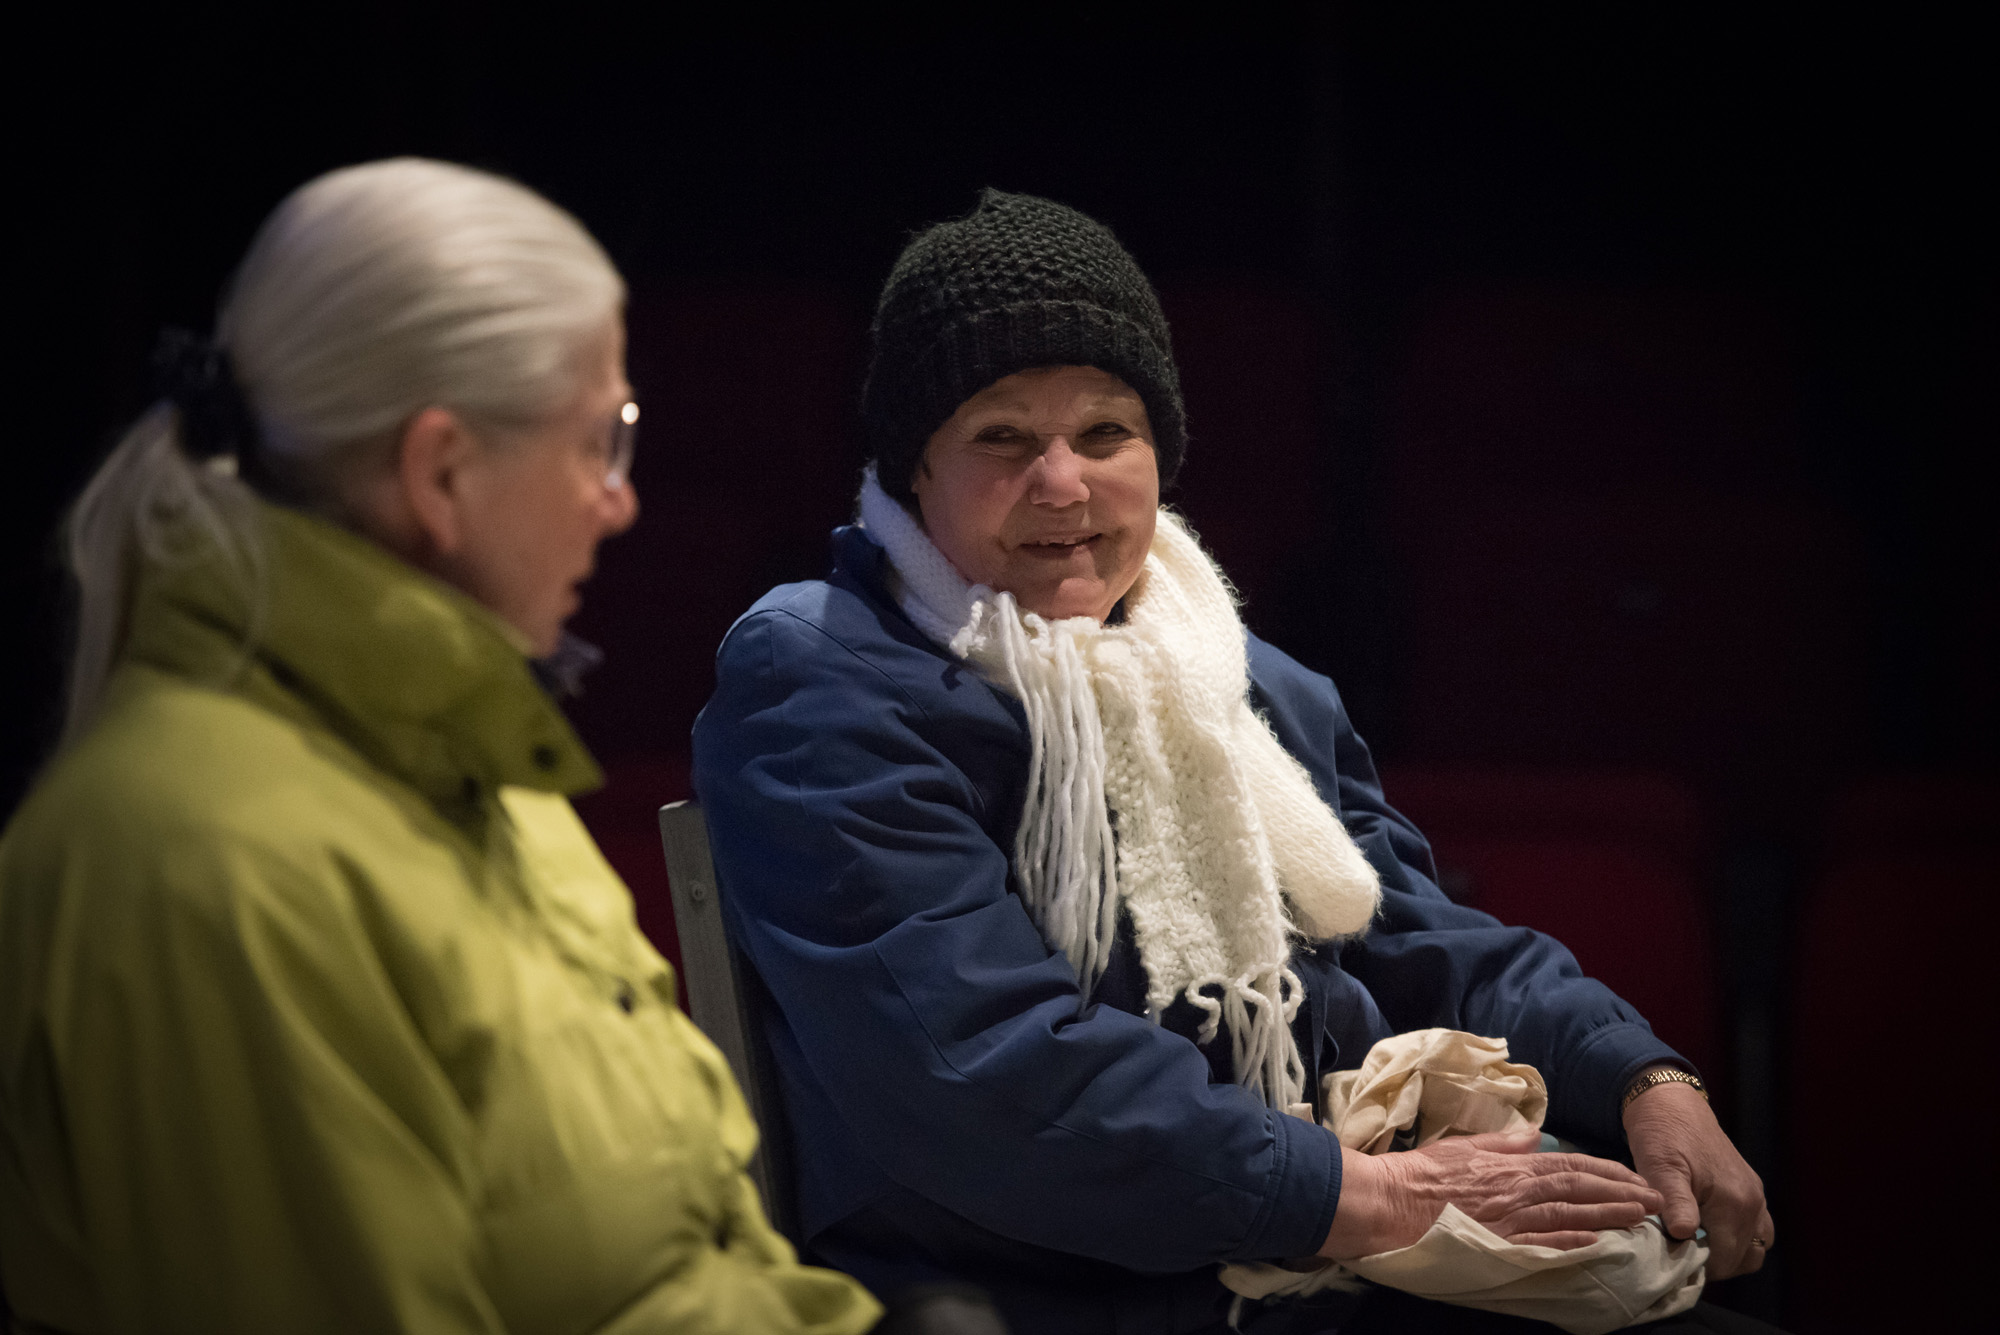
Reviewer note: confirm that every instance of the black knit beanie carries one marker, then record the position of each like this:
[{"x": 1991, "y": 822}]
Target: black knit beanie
[{"x": 1019, "y": 283}]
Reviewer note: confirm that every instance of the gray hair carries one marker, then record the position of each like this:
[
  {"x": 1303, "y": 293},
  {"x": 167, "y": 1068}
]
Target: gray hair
[{"x": 369, "y": 294}]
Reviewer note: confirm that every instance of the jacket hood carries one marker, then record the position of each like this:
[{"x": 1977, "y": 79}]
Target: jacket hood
[{"x": 416, "y": 676}]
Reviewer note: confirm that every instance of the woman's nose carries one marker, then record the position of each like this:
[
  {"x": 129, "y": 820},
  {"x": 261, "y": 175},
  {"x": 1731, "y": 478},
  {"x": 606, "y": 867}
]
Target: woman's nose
[
  {"x": 621, "y": 508},
  {"x": 1058, "y": 477}
]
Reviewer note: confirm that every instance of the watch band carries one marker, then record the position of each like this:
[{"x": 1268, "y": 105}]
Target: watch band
[{"x": 1662, "y": 1075}]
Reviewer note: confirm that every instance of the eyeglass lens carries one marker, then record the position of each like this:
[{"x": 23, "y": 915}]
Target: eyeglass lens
[{"x": 624, "y": 440}]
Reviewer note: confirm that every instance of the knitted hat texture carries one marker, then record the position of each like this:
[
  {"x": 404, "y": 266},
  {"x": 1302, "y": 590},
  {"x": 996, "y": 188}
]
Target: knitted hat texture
[{"x": 1019, "y": 283}]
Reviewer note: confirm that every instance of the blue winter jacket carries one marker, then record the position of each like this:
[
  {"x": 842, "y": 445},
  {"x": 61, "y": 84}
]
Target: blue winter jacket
[{"x": 956, "y": 1113}]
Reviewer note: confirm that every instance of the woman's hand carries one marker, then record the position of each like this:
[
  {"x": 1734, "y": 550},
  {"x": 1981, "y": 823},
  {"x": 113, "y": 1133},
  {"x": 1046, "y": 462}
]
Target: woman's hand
[
  {"x": 1679, "y": 1146},
  {"x": 1550, "y": 1200}
]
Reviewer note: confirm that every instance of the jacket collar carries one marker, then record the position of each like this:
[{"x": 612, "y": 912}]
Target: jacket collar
[
  {"x": 423, "y": 681},
  {"x": 861, "y": 558}
]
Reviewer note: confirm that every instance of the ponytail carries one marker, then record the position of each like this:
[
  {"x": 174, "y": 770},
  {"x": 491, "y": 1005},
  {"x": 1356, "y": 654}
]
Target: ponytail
[{"x": 148, "y": 505}]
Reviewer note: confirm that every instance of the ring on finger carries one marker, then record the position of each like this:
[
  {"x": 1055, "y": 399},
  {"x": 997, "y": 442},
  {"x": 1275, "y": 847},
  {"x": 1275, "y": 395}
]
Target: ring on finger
[{"x": 1759, "y": 1242}]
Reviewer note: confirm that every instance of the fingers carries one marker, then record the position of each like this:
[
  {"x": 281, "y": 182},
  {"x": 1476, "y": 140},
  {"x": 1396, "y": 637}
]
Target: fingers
[
  {"x": 1559, "y": 1200},
  {"x": 1729, "y": 1200},
  {"x": 1568, "y": 1216},
  {"x": 1521, "y": 1142},
  {"x": 1597, "y": 1199},
  {"x": 1761, "y": 1242},
  {"x": 1679, "y": 1210},
  {"x": 1585, "y": 1185},
  {"x": 1609, "y": 1169},
  {"x": 1732, "y": 1253}
]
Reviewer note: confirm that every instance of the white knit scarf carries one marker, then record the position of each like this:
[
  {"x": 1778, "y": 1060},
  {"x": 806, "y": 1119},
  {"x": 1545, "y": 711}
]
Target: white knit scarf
[{"x": 1223, "y": 848}]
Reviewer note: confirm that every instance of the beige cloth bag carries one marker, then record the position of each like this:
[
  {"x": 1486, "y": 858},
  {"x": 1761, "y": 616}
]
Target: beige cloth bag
[{"x": 1418, "y": 1087}]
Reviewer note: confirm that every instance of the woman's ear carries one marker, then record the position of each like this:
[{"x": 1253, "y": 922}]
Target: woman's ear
[{"x": 431, "y": 474}]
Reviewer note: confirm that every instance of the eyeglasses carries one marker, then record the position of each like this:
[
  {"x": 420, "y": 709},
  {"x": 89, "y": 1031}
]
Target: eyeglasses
[{"x": 616, "y": 443}]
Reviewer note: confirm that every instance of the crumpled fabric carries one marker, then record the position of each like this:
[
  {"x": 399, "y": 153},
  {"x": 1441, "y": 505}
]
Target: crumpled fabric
[{"x": 1419, "y": 1087}]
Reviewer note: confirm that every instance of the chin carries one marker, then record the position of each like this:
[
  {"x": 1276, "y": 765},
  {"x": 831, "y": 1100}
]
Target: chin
[
  {"x": 546, "y": 636},
  {"x": 1064, "y": 606}
]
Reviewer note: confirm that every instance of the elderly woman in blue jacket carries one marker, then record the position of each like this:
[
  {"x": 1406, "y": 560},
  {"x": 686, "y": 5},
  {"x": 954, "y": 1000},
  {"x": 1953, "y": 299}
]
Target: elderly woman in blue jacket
[{"x": 1067, "y": 888}]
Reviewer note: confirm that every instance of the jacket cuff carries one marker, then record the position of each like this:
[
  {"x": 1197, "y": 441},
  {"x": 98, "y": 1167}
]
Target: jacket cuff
[
  {"x": 1299, "y": 1212},
  {"x": 1584, "y": 1097}
]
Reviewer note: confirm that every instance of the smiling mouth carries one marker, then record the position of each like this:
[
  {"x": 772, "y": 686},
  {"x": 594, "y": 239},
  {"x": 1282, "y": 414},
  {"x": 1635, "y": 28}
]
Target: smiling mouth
[{"x": 1061, "y": 546}]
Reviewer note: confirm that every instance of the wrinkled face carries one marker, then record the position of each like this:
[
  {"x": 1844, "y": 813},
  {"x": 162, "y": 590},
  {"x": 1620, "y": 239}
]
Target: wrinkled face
[
  {"x": 542, "y": 505},
  {"x": 1044, "y": 485}
]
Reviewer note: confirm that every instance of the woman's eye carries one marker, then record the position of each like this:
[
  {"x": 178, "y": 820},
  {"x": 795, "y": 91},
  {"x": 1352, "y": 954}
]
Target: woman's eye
[{"x": 999, "y": 435}]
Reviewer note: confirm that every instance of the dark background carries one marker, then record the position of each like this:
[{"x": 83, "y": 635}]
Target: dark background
[{"x": 1595, "y": 397}]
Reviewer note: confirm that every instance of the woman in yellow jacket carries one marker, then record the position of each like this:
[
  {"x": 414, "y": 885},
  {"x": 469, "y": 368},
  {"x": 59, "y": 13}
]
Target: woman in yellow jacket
[{"x": 319, "y": 1011}]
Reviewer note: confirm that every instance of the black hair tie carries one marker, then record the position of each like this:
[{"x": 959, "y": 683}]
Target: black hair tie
[{"x": 195, "y": 373}]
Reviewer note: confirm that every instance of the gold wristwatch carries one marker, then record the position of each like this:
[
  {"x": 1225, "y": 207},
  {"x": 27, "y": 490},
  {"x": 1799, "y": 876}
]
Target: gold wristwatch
[{"x": 1661, "y": 1075}]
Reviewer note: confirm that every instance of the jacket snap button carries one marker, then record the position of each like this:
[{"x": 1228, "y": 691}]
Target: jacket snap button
[
  {"x": 546, "y": 757},
  {"x": 626, "y": 1000}
]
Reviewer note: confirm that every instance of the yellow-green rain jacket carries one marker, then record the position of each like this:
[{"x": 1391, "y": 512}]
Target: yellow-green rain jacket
[{"x": 319, "y": 1010}]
